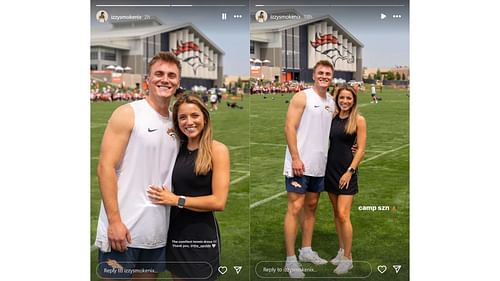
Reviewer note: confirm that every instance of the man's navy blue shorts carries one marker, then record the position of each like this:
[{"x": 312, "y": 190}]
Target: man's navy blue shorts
[
  {"x": 115, "y": 265},
  {"x": 305, "y": 184}
]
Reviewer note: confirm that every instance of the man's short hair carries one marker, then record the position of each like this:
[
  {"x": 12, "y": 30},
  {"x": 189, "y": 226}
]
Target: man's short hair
[
  {"x": 323, "y": 63},
  {"x": 166, "y": 57}
]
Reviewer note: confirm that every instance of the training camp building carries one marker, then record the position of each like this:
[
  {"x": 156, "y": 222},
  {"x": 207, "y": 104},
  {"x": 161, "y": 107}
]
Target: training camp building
[
  {"x": 288, "y": 49},
  {"x": 132, "y": 44}
]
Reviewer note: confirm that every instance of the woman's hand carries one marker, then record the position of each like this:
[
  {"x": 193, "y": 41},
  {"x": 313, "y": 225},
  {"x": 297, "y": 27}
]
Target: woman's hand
[
  {"x": 161, "y": 195},
  {"x": 344, "y": 180}
]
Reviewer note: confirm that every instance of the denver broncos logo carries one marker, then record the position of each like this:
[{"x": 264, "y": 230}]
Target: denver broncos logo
[
  {"x": 197, "y": 59},
  {"x": 320, "y": 45}
]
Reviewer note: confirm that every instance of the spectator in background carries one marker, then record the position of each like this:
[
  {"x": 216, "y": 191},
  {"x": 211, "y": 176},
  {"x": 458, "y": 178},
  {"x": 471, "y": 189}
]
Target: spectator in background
[
  {"x": 374, "y": 94},
  {"x": 218, "y": 93},
  {"x": 213, "y": 101}
]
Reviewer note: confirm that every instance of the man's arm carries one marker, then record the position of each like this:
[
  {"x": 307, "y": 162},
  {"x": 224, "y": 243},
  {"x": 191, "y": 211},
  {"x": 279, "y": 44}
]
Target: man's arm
[
  {"x": 293, "y": 116},
  {"x": 114, "y": 142}
]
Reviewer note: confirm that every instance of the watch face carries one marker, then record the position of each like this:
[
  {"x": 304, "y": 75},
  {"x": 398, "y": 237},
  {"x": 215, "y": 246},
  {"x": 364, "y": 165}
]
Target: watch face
[{"x": 181, "y": 202}]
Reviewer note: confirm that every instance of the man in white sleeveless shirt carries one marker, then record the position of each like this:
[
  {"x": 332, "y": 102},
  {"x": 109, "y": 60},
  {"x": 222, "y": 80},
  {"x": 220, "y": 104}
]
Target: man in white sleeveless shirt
[
  {"x": 137, "y": 149},
  {"x": 307, "y": 129}
]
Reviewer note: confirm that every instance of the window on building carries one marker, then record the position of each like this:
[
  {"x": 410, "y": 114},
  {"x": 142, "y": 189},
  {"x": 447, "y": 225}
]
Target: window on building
[
  {"x": 151, "y": 47},
  {"x": 145, "y": 50},
  {"x": 296, "y": 48},
  {"x": 93, "y": 54},
  {"x": 157, "y": 43},
  {"x": 108, "y": 54}
]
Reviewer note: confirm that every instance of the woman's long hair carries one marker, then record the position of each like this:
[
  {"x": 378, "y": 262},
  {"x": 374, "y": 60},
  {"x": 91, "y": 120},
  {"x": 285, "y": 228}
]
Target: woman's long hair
[
  {"x": 203, "y": 162},
  {"x": 351, "y": 124}
]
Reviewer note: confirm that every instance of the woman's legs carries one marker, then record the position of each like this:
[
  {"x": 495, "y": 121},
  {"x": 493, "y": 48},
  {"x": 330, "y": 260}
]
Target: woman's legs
[
  {"x": 344, "y": 204},
  {"x": 334, "y": 200}
]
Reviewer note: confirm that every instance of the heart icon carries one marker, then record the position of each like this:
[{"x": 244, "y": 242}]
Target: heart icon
[
  {"x": 381, "y": 268},
  {"x": 222, "y": 269}
]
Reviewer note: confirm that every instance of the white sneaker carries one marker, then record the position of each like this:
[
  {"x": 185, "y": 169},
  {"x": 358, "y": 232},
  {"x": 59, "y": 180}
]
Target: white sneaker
[
  {"x": 344, "y": 266},
  {"x": 311, "y": 257},
  {"x": 294, "y": 269},
  {"x": 336, "y": 260}
]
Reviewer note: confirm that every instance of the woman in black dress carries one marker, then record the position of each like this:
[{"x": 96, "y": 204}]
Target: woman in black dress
[
  {"x": 341, "y": 178},
  {"x": 200, "y": 182}
]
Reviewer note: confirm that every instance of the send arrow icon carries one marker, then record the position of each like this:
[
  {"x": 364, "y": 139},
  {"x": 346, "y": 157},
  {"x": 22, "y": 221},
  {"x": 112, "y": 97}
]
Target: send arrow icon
[
  {"x": 397, "y": 267},
  {"x": 237, "y": 268}
]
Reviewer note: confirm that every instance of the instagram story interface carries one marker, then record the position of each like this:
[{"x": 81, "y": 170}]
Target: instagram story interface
[
  {"x": 346, "y": 215},
  {"x": 210, "y": 41}
]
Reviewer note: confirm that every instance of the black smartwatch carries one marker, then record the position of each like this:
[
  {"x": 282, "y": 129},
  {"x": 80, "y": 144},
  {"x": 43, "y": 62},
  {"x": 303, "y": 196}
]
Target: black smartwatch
[
  {"x": 181, "y": 202},
  {"x": 351, "y": 170}
]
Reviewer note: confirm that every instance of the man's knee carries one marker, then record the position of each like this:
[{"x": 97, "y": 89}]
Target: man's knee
[
  {"x": 295, "y": 207},
  {"x": 311, "y": 204},
  {"x": 310, "y": 208}
]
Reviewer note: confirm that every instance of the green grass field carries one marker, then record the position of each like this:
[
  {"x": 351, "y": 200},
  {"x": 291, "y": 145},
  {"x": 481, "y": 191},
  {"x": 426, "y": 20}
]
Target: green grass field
[
  {"x": 252, "y": 223},
  {"x": 380, "y": 237}
]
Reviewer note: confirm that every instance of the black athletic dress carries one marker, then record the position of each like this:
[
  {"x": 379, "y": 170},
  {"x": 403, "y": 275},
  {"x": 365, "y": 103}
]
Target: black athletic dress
[
  {"x": 193, "y": 243},
  {"x": 340, "y": 158}
]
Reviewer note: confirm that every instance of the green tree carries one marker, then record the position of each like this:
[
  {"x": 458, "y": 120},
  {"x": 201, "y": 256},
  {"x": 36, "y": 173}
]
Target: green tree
[
  {"x": 398, "y": 76},
  {"x": 378, "y": 76},
  {"x": 390, "y": 75},
  {"x": 404, "y": 76},
  {"x": 370, "y": 77}
]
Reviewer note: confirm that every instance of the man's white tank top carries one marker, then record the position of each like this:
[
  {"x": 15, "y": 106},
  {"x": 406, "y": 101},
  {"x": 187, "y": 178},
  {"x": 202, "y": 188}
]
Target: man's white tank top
[
  {"x": 148, "y": 159},
  {"x": 312, "y": 135}
]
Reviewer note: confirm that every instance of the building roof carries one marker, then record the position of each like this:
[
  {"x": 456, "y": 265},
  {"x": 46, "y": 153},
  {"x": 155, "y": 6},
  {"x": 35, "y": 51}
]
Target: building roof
[
  {"x": 110, "y": 45},
  {"x": 280, "y": 25},
  {"x": 102, "y": 38}
]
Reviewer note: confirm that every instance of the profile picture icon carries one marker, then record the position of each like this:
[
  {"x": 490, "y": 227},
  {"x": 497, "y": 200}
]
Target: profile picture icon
[
  {"x": 102, "y": 16},
  {"x": 261, "y": 16}
]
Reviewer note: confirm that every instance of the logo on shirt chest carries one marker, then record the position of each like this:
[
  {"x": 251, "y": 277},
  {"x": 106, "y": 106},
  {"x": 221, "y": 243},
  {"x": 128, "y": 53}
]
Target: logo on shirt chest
[
  {"x": 326, "y": 107},
  {"x": 170, "y": 132}
]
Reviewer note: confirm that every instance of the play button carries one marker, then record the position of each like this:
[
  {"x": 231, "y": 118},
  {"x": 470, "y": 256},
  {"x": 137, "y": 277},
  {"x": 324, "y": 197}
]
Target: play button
[{"x": 382, "y": 16}]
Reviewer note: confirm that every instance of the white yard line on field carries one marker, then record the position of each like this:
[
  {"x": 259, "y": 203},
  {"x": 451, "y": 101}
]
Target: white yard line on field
[
  {"x": 374, "y": 151},
  {"x": 240, "y": 178},
  {"x": 240, "y": 171},
  {"x": 237, "y": 147},
  {"x": 265, "y": 200},
  {"x": 385, "y": 152}
]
